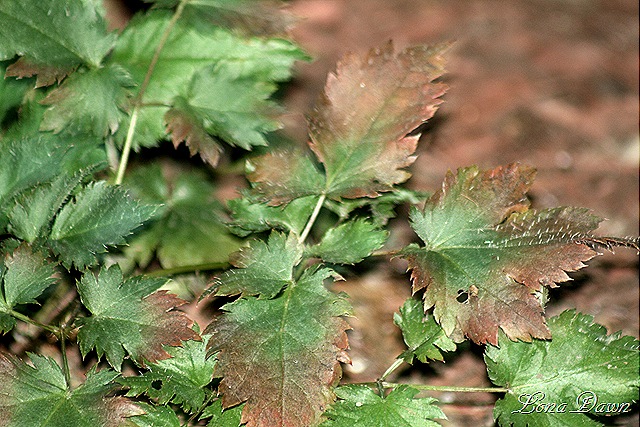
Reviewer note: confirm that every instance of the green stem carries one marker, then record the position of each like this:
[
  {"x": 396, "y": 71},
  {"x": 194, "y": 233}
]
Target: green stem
[
  {"x": 312, "y": 218},
  {"x": 444, "y": 388},
  {"x": 188, "y": 269},
  {"x": 29, "y": 320},
  {"x": 143, "y": 87},
  {"x": 65, "y": 362},
  {"x": 395, "y": 365}
]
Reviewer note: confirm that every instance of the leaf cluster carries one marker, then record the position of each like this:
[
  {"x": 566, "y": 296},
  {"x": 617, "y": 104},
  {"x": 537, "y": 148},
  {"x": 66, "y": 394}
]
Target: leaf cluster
[{"x": 88, "y": 245}]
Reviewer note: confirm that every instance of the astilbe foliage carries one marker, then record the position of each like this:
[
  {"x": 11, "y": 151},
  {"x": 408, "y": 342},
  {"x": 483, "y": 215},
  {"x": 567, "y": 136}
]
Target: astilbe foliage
[{"x": 80, "y": 243}]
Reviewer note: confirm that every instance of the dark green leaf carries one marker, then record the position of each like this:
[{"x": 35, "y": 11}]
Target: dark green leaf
[
  {"x": 235, "y": 109},
  {"x": 350, "y": 243},
  {"x": 222, "y": 417},
  {"x": 88, "y": 102},
  {"x": 582, "y": 369},
  {"x": 100, "y": 215},
  {"x": 36, "y": 396},
  {"x": 248, "y": 215},
  {"x": 156, "y": 416},
  {"x": 264, "y": 268},
  {"x": 26, "y": 276},
  {"x": 34, "y": 210},
  {"x": 187, "y": 230},
  {"x": 281, "y": 355},
  {"x": 52, "y": 37},
  {"x": 180, "y": 379},
  {"x": 129, "y": 316},
  {"x": 188, "y": 51},
  {"x": 424, "y": 338},
  {"x": 359, "y": 406}
]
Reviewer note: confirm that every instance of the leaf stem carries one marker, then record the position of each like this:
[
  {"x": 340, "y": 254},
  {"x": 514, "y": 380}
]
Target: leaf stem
[
  {"x": 143, "y": 87},
  {"x": 395, "y": 365},
  {"x": 187, "y": 269},
  {"x": 27, "y": 319},
  {"x": 312, "y": 218},
  {"x": 442, "y": 388},
  {"x": 124, "y": 159}
]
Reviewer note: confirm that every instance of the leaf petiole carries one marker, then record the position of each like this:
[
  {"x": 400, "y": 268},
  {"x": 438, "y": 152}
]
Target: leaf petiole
[
  {"x": 454, "y": 389},
  {"x": 312, "y": 218}
]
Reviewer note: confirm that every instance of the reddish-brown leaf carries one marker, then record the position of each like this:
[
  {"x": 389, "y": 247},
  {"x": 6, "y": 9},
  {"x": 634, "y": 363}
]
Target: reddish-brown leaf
[
  {"x": 359, "y": 127},
  {"x": 185, "y": 128},
  {"x": 486, "y": 255},
  {"x": 281, "y": 355},
  {"x": 46, "y": 74}
]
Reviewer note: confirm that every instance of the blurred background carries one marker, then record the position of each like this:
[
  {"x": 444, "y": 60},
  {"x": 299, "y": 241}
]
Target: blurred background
[{"x": 549, "y": 83}]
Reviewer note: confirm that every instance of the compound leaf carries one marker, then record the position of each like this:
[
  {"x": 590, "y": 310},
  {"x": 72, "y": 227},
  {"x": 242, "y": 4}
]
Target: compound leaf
[
  {"x": 187, "y": 229},
  {"x": 264, "y": 268},
  {"x": 281, "y": 355},
  {"x": 359, "y": 127},
  {"x": 88, "y": 102},
  {"x": 191, "y": 50},
  {"x": 424, "y": 338},
  {"x": 486, "y": 255},
  {"x": 350, "y": 242},
  {"x": 34, "y": 396},
  {"x": 51, "y": 38},
  {"x": 129, "y": 316},
  {"x": 359, "y": 406},
  {"x": 180, "y": 379},
  {"x": 582, "y": 369},
  {"x": 100, "y": 215}
]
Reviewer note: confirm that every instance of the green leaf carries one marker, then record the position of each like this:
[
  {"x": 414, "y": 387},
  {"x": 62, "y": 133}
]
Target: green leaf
[
  {"x": 156, "y": 416},
  {"x": 222, "y": 417},
  {"x": 486, "y": 255},
  {"x": 264, "y": 268},
  {"x": 100, "y": 215},
  {"x": 52, "y": 37},
  {"x": 188, "y": 51},
  {"x": 27, "y": 274},
  {"x": 180, "y": 379},
  {"x": 359, "y": 127},
  {"x": 281, "y": 176},
  {"x": 232, "y": 108},
  {"x": 582, "y": 372},
  {"x": 281, "y": 355},
  {"x": 350, "y": 242},
  {"x": 88, "y": 102},
  {"x": 248, "y": 215},
  {"x": 34, "y": 210},
  {"x": 359, "y": 406},
  {"x": 127, "y": 316},
  {"x": 35, "y": 396},
  {"x": 424, "y": 338},
  {"x": 187, "y": 230},
  {"x": 25, "y": 163}
]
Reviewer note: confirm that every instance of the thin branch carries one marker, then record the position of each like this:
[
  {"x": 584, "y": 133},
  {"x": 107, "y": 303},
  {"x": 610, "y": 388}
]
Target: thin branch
[
  {"x": 143, "y": 87},
  {"x": 188, "y": 269},
  {"x": 441, "y": 388}
]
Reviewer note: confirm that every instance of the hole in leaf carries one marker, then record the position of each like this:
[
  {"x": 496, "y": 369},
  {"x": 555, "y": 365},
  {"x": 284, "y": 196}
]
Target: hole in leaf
[
  {"x": 156, "y": 385},
  {"x": 463, "y": 296}
]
